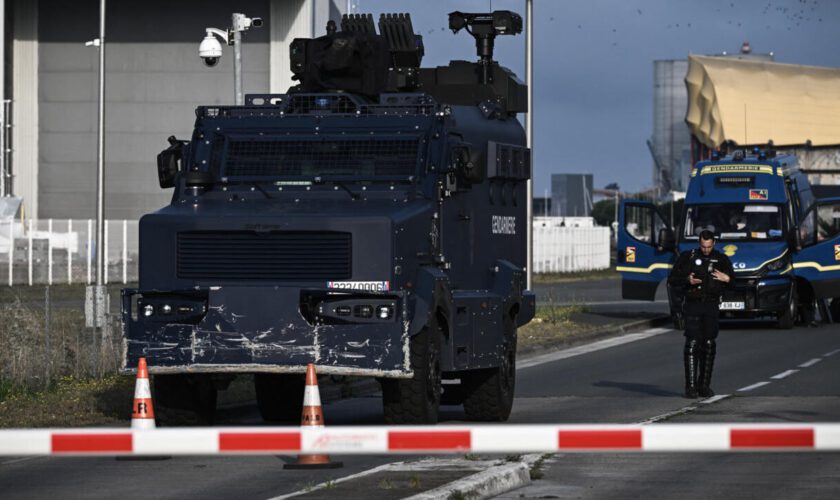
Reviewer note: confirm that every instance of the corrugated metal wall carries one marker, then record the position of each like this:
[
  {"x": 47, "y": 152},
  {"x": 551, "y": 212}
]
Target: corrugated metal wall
[{"x": 155, "y": 79}]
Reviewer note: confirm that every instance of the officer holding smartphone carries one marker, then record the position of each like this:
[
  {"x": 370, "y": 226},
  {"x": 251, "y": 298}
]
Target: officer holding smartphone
[{"x": 705, "y": 273}]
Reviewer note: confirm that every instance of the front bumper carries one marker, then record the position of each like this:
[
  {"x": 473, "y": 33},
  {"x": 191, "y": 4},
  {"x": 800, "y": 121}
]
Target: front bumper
[
  {"x": 762, "y": 296},
  {"x": 265, "y": 330}
]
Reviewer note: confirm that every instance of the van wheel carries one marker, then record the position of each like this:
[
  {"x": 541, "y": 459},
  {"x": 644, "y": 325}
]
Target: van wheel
[
  {"x": 489, "y": 393},
  {"x": 184, "y": 399},
  {"x": 788, "y": 315},
  {"x": 416, "y": 400},
  {"x": 279, "y": 397},
  {"x": 835, "y": 309}
]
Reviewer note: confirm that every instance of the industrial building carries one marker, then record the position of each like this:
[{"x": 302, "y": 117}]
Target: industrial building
[
  {"x": 154, "y": 81},
  {"x": 670, "y": 144}
]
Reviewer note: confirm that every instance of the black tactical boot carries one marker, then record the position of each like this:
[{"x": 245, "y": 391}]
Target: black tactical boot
[
  {"x": 707, "y": 362},
  {"x": 690, "y": 363}
]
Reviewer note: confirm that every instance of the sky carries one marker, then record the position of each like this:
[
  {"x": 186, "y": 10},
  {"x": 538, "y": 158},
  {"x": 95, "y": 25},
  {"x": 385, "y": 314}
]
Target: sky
[{"x": 593, "y": 64}]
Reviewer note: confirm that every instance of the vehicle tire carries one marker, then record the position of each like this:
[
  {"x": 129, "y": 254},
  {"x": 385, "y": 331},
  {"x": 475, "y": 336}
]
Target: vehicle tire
[
  {"x": 835, "y": 309},
  {"x": 416, "y": 400},
  {"x": 489, "y": 393},
  {"x": 280, "y": 396},
  {"x": 788, "y": 315},
  {"x": 184, "y": 399}
]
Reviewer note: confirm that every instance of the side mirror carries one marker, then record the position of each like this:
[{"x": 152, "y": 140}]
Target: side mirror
[
  {"x": 467, "y": 162},
  {"x": 168, "y": 163},
  {"x": 667, "y": 239}
]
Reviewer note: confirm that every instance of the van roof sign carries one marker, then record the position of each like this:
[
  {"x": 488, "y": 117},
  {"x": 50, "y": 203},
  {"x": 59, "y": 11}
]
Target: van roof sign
[{"x": 739, "y": 169}]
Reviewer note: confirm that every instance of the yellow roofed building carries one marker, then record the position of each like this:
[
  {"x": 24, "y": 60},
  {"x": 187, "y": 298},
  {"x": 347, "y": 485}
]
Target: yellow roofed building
[{"x": 738, "y": 103}]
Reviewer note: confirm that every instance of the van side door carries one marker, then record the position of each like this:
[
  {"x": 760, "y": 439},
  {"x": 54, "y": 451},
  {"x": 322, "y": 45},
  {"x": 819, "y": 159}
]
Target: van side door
[
  {"x": 645, "y": 251},
  {"x": 818, "y": 261}
]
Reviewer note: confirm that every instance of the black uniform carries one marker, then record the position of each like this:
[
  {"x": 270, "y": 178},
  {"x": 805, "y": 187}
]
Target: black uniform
[{"x": 701, "y": 312}]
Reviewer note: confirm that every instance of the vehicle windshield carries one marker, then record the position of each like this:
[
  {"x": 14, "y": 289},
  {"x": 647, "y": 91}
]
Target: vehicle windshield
[
  {"x": 735, "y": 221},
  {"x": 284, "y": 157}
]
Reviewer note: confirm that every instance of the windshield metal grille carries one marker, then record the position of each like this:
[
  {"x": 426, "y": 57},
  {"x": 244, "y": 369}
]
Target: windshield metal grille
[
  {"x": 366, "y": 158},
  {"x": 274, "y": 256}
]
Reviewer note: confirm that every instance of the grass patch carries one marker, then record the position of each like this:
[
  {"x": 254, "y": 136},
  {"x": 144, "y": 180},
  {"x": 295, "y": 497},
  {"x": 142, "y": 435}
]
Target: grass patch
[
  {"x": 549, "y": 278},
  {"x": 552, "y": 324},
  {"x": 70, "y": 402}
]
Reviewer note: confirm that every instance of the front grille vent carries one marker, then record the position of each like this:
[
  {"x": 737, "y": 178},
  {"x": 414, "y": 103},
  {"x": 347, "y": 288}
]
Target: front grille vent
[{"x": 272, "y": 256}]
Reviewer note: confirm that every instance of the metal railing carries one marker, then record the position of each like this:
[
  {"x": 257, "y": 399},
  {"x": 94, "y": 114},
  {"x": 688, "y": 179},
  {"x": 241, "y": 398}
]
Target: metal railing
[{"x": 57, "y": 251}]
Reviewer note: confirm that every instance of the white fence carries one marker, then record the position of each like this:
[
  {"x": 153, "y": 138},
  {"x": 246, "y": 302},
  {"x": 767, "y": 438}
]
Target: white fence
[
  {"x": 560, "y": 249},
  {"x": 64, "y": 251}
]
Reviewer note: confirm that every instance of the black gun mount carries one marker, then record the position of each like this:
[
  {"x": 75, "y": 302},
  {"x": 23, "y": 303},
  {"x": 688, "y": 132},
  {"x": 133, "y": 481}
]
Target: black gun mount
[
  {"x": 357, "y": 60},
  {"x": 484, "y": 28}
]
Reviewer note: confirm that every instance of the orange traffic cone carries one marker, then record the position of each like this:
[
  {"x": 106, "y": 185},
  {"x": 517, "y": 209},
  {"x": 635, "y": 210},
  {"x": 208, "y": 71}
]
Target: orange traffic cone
[
  {"x": 312, "y": 416},
  {"x": 142, "y": 415}
]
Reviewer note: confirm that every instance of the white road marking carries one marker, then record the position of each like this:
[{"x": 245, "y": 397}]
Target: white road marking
[
  {"x": 786, "y": 373},
  {"x": 714, "y": 399},
  {"x": 832, "y": 353},
  {"x": 810, "y": 363},
  {"x": 754, "y": 386},
  {"x": 587, "y": 348}
]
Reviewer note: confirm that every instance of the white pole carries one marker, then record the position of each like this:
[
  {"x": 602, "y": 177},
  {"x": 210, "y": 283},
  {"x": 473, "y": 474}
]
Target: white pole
[
  {"x": 100, "y": 152},
  {"x": 529, "y": 134},
  {"x": 89, "y": 247},
  {"x": 30, "y": 252},
  {"x": 69, "y": 252},
  {"x": 49, "y": 251},
  {"x": 105, "y": 254},
  {"x": 125, "y": 251},
  {"x": 11, "y": 251}
]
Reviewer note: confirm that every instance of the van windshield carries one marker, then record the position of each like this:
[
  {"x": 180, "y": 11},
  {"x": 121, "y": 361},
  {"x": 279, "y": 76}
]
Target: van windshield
[{"x": 735, "y": 221}]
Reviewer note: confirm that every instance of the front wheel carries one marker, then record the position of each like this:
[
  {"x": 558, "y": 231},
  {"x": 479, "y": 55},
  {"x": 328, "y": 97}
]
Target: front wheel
[
  {"x": 416, "y": 400},
  {"x": 489, "y": 393},
  {"x": 835, "y": 309},
  {"x": 788, "y": 314}
]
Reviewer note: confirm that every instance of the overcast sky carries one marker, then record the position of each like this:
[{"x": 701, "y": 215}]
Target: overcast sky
[{"x": 593, "y": 64}]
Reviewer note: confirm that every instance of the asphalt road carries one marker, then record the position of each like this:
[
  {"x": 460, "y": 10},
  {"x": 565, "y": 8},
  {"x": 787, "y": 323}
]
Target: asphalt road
[{"x": 627, "y": 383}]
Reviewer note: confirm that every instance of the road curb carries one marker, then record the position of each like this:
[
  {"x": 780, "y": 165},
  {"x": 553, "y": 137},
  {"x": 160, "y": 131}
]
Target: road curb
[{"x": 485, "y": 484}]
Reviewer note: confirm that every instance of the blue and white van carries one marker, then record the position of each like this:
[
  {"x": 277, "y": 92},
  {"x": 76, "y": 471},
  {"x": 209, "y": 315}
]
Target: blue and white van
[{"x": 784, "y": 242}]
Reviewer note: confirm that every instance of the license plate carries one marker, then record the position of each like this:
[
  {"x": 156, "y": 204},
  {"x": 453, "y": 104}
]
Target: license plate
[{"x": 731, "y": 306}]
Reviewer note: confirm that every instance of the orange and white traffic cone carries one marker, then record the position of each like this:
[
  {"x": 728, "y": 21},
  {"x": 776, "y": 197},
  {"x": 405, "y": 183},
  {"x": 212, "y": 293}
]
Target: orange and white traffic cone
[
  {"x": 313, "y": 416},
  {"x": 142, "y": 415}
]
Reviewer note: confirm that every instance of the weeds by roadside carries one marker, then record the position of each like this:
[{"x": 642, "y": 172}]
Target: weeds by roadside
[{"x": 45, "y": 341}]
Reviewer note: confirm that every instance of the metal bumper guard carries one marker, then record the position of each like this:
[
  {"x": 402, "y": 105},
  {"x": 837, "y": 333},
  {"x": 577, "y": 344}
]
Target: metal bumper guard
[{"x": 261, "y": 329}]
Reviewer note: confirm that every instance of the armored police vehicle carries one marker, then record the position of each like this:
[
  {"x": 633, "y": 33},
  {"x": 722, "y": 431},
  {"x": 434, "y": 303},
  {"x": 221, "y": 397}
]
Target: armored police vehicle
[
  {"x": 782, "y": 239},
  {"x": 371, "y": 221}
]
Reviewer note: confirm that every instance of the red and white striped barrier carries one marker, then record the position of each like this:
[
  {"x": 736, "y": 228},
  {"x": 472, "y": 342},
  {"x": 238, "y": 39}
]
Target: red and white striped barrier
[{"x": 423, "y": 439}]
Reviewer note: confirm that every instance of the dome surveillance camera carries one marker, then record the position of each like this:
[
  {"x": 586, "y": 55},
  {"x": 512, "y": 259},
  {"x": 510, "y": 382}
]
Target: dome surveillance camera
[{"x": 210, "y": 50}]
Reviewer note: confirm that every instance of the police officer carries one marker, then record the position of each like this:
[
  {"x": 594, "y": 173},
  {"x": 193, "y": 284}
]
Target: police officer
[{"x": 704, "y": 273}]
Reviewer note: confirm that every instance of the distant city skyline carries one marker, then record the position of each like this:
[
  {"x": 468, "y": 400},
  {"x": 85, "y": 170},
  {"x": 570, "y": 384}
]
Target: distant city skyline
[{"x": 593, "y": 65}]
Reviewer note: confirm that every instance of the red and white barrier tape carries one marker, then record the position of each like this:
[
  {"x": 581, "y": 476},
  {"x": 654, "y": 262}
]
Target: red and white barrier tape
[{"x": 422, "y": 439}]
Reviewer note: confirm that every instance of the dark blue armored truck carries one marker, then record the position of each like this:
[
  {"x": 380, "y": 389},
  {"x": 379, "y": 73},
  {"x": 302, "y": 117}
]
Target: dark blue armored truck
[{"x": 371, "y": 221}]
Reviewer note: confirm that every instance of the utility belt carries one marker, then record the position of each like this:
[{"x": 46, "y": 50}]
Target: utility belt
[{"x": 702, "y": 295}]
